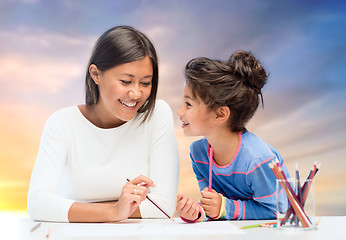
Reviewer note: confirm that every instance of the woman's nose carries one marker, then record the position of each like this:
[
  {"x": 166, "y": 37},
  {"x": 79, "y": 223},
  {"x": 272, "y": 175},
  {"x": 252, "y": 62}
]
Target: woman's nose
[{"x": 135, "y": 93}]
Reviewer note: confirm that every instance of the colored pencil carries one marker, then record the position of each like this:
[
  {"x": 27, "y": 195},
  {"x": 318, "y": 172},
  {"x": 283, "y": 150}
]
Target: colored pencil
[
  {"x": 291, "y": 195},
  {"x": 270, "y": 224},
  {"x": 210, "y": 168},
  {"x": 304, "y": 190},
  {"x": 157, "y": 206},
  {"x": 35, "y": 227},
  {"x": 251, "y": 226},
  {"x": 299, "y": 194}
]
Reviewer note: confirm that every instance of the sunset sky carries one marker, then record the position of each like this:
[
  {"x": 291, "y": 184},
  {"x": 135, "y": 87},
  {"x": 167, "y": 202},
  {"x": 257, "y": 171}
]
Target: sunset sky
[{"x": 45, "y": 47}]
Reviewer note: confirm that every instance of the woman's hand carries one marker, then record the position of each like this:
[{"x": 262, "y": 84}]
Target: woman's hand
[
  {"x": 211, "y": 202},
  {"x": 187, "y": 208},
  {"x": 133, "y": 193}
]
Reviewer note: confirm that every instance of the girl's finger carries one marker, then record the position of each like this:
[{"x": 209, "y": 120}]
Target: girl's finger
[{"x": 181, "y": 204}]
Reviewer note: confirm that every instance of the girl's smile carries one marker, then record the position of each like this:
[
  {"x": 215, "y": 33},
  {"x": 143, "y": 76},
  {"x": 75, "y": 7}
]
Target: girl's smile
[{"x": 195, "y": 116}]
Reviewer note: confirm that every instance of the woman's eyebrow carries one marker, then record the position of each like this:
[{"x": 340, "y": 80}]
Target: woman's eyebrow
[{"x": 130, "y": 75}]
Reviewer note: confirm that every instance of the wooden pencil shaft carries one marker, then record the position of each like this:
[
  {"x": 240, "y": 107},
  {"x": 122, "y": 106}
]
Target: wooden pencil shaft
[
  {"x": 310, "y": 176},
  {"x": 292, "y": 197},
  {"x": 155, "y": 204},
  {"x": 300, "y": 214}
]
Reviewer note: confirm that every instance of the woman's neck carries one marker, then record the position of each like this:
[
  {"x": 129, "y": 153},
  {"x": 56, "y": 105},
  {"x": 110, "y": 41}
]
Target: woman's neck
[
  {"x": 225, "y": 145},
  {"x": 98, "y": 117}
]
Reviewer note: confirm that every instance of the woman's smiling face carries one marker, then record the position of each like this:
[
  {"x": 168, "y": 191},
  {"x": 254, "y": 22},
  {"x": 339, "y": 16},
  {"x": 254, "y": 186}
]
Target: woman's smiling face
[{"x": 124, "y": 89}]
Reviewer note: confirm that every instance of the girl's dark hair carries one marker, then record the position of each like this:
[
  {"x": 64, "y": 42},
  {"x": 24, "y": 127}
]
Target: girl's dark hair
[
  {"x": 236, "y": 84},
  {"x": 119, "y": 45}
]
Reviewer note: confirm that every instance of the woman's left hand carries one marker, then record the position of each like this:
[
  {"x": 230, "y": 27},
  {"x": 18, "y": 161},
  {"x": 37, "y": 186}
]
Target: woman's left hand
[{"x": 211, "y": 202}]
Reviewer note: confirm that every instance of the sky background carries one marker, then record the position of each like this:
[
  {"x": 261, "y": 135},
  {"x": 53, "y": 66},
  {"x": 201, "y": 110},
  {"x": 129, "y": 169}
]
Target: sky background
[{"x": 45, "y": 47}]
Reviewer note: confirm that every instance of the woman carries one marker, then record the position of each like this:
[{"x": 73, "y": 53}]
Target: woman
[{"x": 87, "y": 152}]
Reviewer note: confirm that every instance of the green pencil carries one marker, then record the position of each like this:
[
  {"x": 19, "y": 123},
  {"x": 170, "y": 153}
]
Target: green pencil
[{"x": 251, "y": 226}]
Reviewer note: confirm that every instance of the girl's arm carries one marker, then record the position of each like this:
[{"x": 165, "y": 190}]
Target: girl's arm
[{"x": 262, "y": 205}]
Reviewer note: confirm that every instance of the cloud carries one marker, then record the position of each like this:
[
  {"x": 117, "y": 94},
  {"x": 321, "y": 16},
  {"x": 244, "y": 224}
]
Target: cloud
[
  {"x": 34, "y": 42},
  {"x": 35, "y": 61},
  {"x": 25, "y": 75},
  {"x": 313, "y": 129}
]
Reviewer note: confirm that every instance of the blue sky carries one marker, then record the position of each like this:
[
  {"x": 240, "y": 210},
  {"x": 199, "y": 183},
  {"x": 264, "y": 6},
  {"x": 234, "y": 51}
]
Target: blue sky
[{"x": 45, "y": 46}]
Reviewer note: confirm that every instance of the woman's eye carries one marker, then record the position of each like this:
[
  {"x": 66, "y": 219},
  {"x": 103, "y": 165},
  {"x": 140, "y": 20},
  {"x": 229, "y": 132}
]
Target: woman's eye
[
  {"x": 125, "y": 82},
  {"x": 146, "y": 83}
]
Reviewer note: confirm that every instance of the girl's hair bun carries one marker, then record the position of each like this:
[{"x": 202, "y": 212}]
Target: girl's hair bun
[{"x": 248, "y": 69}]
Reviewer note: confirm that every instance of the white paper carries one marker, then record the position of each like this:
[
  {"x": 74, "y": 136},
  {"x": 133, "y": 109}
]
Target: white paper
[{"x": 155, "y": 228}]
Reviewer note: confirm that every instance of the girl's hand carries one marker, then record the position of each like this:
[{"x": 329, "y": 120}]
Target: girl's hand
[
  {"x": 211, "y": 202},
  {"x": 133, "y": 193},
  {"x": 187, "y": 208}
]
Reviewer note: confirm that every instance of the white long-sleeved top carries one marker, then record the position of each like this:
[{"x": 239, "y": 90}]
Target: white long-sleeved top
[{"x": 78, "y": 161}]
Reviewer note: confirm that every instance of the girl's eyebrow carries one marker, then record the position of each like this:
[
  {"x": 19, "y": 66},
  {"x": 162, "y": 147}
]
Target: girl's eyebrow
[{"x": 187, "y": 96}]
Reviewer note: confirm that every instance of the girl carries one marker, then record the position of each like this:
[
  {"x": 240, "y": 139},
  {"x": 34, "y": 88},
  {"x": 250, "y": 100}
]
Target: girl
[
  {"x": 87, "y": 152},
  {"x": 230, "y": 163}
]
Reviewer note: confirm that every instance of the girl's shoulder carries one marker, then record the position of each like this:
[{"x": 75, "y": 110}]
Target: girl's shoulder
[
  {"x": 199, "y": 146},
  {"x": 255, "y": 150}
]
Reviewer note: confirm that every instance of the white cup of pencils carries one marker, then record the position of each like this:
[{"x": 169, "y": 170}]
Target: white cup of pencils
[{"x": 295, "y": 200}]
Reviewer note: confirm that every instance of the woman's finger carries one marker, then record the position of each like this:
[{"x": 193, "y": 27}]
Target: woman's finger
[{"x": 143, "y": 181}]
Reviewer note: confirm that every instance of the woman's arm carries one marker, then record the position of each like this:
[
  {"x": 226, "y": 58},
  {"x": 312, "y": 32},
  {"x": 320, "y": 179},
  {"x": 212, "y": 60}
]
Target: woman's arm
[
  {"x": 44, "y": 203},
  {"x": 126, "y": 206},
  {"x": 163, "y": 163}
]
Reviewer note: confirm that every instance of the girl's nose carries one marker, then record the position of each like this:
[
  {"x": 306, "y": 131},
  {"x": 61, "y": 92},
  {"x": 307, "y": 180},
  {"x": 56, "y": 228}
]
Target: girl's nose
[{"x": 180, "y": 111}]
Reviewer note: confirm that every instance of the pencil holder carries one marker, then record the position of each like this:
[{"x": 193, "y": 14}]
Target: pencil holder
[{"x": 295, "y": 204}]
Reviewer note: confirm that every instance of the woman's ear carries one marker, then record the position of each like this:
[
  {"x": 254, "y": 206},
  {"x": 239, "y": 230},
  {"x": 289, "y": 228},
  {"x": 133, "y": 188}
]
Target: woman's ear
[
  {"x": 95, "y": 73},
  {"x": 222, "y": 114}
]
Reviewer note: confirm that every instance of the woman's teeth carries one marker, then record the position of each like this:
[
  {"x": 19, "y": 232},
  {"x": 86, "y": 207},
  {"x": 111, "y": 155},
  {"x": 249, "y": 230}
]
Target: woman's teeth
[{"x": 128, "y": 104}]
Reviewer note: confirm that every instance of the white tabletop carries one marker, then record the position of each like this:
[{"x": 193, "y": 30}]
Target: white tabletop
[{"x": 17, "y": 226}]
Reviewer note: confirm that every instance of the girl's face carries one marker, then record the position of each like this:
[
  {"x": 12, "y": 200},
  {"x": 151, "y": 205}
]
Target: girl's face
[
  {"x": 124, "y": 89},
  {"x": 196, "y": 118}
]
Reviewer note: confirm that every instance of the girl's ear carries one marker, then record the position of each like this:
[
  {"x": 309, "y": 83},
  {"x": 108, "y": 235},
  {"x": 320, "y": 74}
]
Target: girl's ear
[
  {"x": 222, "y": 114},
  {"x": 94, "y": 73}
]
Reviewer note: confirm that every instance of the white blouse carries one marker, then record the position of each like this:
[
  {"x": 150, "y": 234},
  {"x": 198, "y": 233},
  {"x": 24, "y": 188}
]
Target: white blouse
[{"x": 78, "y": 161}]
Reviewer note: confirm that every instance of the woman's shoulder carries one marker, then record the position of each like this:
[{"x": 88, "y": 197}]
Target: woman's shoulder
[
  {"x": 162, "y": 111},
  {"x": 162, "y": 106},
  {"x": 62, "y": 115}
]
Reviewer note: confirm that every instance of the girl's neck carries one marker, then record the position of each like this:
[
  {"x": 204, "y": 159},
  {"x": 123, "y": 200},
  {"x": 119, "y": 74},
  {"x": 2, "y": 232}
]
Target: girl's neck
[{"x": 225, "y": 145}]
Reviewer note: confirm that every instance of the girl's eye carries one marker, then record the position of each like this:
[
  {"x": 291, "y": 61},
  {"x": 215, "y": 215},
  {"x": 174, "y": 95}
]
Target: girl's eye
[
  {"x": 125, "y": 82},
  {"x": 146, "y": 83},
  {"x": 187, "y": 104}
]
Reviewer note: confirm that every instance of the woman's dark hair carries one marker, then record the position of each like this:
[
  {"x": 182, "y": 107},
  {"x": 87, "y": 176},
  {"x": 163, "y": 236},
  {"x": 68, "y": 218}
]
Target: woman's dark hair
[
  {"x": 119, "y": 45},
  {"x": 236, "y": 84}
]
